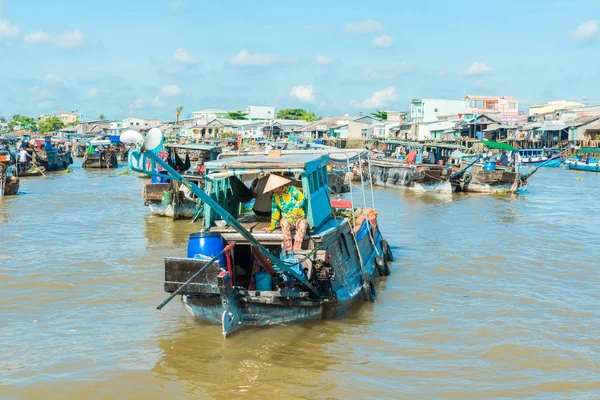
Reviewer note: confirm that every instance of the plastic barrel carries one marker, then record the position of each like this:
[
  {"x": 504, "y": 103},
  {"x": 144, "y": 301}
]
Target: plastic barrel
[
  {"x": 263, "y": 281},
  {"x": 489, "y": 166},
  {"x": 208, "y": 244}
]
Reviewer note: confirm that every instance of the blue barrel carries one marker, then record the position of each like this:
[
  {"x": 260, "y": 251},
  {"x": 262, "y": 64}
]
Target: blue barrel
[
  {"x": 489, "y": 166},
  {"x": 263, "y": 281},
  {"x": 208, "y": 244}
]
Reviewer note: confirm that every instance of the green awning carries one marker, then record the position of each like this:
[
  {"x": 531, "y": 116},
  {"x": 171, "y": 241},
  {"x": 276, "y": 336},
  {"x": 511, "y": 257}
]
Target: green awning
[
  {"x": 587, "y": 150},
  {"x": 497, "y": 145}
]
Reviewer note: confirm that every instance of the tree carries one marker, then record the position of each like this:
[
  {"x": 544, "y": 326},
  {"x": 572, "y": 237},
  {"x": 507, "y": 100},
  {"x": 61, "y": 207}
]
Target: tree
[
  {"x": 51, "y": 124},
  {"x": 3, "y": 120},
  {"x": 297, "y": 113},
  {"x": 177, "y": 114},
  {"x": 382, "y": 115},
  {"x": 239, "y": 114},
  {"x": 74, "y": 123},
  {"x": 21, "y": 122},
  {"x": 102, "y": 117}
]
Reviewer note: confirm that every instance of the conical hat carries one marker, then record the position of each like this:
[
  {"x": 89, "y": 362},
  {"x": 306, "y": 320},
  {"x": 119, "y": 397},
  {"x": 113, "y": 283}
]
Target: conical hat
[{"x": 274, "y": 182}]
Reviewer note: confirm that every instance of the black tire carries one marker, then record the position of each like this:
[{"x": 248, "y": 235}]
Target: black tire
[
  {"x": 406, "y": 179},
  {"x": 396, "y": 178},
  {"x": 467, "y": 178},
  {"x": 382, "y": 266},
  {"x": 387, "y": 251},
  {"x": 368, "y": 288},
  {"x": 373, "y": 178}
]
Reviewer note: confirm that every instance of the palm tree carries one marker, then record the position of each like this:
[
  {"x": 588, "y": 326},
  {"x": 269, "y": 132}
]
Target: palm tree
[{"x": 177, "y": 114}]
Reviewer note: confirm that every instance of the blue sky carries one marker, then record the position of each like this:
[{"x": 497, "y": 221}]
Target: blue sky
[{"x": 332, "y": 57}]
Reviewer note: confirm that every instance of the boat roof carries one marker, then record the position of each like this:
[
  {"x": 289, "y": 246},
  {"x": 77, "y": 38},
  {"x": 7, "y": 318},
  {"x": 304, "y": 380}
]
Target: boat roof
[
  {"x": 307, "y": 162},
  {"x": 201, "y": 147},
  {"x": 586, "y": 150},
  {"x": 498, "y": 145}
]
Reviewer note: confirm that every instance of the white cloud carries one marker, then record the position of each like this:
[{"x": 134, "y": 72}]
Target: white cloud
[
  {"x": 8, "y": 30},
  {"x": 93, "y": 93},
  {"x": 587, "y": 31},
  {"x": 37, "y": 38},
  {"x": 305, "y": 94},
  {"x": 478, "y": 68},
  {"x": 183, "y": 56},
  {"x": 157, "y": 102},
  {"x": 382, "y": 42},
  {"x": 246, "y": 59},
  {"x": 171, "y": 90},
  {"x": 69, "y": 40},
  {"x": 138, "y": 103},
  {"x": 52, "y": 79},
  {"x": 324, "y": 60},
  {"x": 367, "y": 26},
  {"x": 379, "y": 98}
]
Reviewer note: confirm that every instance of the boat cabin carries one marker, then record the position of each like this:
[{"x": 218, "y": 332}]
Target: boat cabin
[{"x": 307, "y": 171}]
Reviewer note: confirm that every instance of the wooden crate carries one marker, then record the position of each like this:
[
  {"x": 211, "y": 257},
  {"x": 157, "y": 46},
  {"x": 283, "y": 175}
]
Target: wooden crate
[{"x": 178, "y": 270}]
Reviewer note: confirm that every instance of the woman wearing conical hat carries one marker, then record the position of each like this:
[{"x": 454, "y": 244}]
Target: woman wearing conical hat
[{"x": 287, "y": 211}]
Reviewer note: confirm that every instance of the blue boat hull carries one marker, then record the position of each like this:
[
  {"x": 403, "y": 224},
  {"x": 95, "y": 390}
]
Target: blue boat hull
[
  {"x": 237, "y": 307},
  {"x": 551, "y": 164},
  {"x": 581, "y": 166}
]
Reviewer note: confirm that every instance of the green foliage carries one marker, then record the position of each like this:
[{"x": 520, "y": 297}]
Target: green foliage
[
  {"x": 382, "y": 115},
  {"x": 2, "y": 119},
  {"x": 21, "y": 122},
  {"x": 297, "y": 113},
  {"x": 51, "y": 124},
  {"x": 239, "y": 114},
  {"x": 102, "y": 117}
]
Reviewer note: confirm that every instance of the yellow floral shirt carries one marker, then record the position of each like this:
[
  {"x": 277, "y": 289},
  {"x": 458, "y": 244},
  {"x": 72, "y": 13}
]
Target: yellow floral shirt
[{"x": 287, "y": 205}]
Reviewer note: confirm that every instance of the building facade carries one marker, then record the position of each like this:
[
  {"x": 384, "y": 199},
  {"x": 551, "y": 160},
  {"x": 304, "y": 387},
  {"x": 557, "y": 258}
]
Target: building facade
[
  {"x": 209, "y": 114},
  {"x": 431, "y": 110},
  {"x": 553, "y": 106},
  {"x": 487, "y": 104},
  {"x": 260, "y": 112}
]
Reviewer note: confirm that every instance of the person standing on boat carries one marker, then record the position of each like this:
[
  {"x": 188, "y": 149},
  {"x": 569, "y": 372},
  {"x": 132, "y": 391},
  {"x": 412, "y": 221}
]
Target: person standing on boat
[
  {"x": 287, "y": 211},
  {"x": 23, "y": 157},
  {"x": 516, "y": 160}
]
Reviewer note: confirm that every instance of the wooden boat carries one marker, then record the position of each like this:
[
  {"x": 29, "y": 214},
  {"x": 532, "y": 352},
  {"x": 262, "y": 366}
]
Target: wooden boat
[
  {"x": 9, "y": 183},
  {"x": 421, "y": 178},
  {"x": 536, "y": 157},
  {"x": 167, "y": 200},
  {"x": 78, "y": 149},
  {"x": 334, "y": 269},
  {"x": 104, "y": 155},
  {"x": 479, "y": 180},
  {"x": 586, "y": 159}
]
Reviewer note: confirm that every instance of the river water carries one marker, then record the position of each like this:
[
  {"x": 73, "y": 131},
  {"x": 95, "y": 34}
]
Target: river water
[{"x": 489, "y": 297}]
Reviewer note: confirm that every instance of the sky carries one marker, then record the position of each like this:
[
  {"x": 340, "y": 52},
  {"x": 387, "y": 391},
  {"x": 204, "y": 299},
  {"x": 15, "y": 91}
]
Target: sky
[{"x": 332, "y": 57}]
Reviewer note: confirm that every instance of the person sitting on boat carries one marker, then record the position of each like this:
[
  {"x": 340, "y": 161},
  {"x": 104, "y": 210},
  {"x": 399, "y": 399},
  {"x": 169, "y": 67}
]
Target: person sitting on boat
[
  {"x": 503, "y": 158},
  {"x": 431, "y": 157},
  {"x": 411, "y": 157},
  {"x": 287, "y": 211}
]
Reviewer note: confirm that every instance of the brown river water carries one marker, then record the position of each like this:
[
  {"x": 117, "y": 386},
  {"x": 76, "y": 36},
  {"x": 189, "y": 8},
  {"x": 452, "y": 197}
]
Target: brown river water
[{"x": 489, "y": 297}]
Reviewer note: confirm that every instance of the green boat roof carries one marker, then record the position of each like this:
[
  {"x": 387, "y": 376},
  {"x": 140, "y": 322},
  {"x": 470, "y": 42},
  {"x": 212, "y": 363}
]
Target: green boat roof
[
  {"x": 498, "y": 145},
  {"x": 587, "y": 150}
]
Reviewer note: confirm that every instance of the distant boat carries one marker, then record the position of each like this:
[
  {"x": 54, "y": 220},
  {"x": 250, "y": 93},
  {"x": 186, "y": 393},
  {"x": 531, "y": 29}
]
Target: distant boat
[
  {"x": 586, "y": 159},
  {"x": 537, "y": 157}
]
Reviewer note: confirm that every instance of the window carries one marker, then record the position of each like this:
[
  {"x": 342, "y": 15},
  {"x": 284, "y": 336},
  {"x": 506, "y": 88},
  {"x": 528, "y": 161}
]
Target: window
[
  {"x": 435, "y": 110},
  {"x": 511, "y": 106}
]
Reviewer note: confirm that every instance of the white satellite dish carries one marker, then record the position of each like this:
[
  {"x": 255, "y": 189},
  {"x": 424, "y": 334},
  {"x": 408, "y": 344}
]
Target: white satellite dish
[
  {"x": 131, "y": 136},
  {"x": 154, "y": 141}
]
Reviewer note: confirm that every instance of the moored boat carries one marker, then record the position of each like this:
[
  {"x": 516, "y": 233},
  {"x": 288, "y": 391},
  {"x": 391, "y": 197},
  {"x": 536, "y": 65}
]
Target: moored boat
[
  {"x": 9, "y": 183},
  {"x": 100, "y": 154},
  {"x": 550, "y": 157}
]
